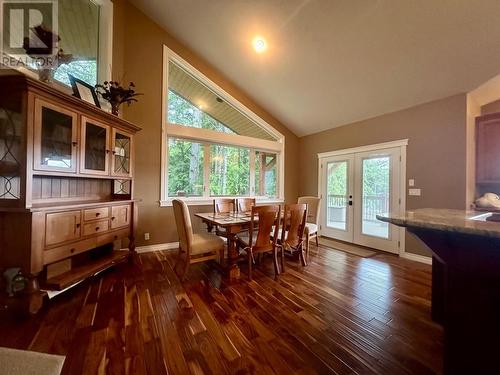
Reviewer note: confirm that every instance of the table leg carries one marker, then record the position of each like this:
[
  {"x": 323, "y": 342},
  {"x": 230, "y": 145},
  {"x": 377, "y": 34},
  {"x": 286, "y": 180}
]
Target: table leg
[{"x": 233, "y": 270}]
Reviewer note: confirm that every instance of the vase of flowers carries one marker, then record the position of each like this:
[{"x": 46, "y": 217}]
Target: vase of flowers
[
  {"x": 116, "y": 95},
  {"x": 49, "y": 57}
]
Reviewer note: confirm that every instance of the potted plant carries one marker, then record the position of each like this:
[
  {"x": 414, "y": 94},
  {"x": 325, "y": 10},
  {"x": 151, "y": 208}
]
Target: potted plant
[{"x": 115, "y": 94}]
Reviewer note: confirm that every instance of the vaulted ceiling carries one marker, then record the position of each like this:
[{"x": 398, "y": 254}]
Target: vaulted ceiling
[{"x": 333, "y": 62}]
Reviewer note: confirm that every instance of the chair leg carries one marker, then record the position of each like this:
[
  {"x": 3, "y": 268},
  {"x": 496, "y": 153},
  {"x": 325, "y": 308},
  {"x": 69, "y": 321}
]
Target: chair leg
[
  {"x": 249, "y": 265},
  {"x": 282, "y": 259},
  {"x": 276, "y": 267},
  {"x": 302, "y": 255},
  {"x": 317, "y": 244},
  {"x": 186, "y": 269},
  {"x": 308, "y": 242}
]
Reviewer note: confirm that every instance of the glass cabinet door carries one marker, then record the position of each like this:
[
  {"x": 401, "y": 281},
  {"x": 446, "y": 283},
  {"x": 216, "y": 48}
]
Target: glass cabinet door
[
  {"x": 55, "y": 138},
  {"x": 94, "y": 147},
  {"x": 122, "y": 154}
]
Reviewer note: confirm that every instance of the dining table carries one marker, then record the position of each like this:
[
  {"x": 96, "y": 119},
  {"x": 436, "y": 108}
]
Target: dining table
[{"x": 233, "y": 223}]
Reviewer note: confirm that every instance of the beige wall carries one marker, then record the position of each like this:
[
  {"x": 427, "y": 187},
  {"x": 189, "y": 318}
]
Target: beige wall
[
  {"x": 137, "y": 56},
  {"x": 436, "y": 156}
]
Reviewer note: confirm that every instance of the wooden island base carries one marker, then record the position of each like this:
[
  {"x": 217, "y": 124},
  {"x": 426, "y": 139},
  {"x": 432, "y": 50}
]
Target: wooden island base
[{"x": 465, "y": 284}]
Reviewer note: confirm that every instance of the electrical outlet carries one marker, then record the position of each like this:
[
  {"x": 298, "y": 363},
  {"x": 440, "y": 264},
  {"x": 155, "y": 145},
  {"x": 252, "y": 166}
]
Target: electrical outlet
[
  {"x": 411, "y": 182},
  {"x": 146, "y": 236},
  {"x": 415, "y": 192}
]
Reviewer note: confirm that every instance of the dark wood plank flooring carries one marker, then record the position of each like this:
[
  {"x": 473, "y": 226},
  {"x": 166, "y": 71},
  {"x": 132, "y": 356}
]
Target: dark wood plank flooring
[{"x": 341, "y": 314}]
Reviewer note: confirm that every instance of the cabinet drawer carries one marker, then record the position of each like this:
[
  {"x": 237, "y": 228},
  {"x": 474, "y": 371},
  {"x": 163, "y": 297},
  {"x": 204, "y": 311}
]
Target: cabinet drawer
[
  {"x": 105, "y": 238},
  {"x": 95, "y": 227},
  {"x": 62, "y": 227},
  {"x": 120, "y": 216},
  {"x": 66, "y": 251},
  {"x": 96, "y": 213}
]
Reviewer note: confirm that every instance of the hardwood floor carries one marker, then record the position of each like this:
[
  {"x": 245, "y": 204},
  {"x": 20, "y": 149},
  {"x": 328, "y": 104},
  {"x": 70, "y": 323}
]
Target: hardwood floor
[{"x": 341, "y": 314}]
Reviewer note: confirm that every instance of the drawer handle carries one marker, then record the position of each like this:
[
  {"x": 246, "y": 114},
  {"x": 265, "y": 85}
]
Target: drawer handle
[
  {"x": 97, "y": 214},
  {"x": 116, "y": 237},
  {"x": 78, "y": 225},
  {"x": 72, "y": 251},
  {"x": 113, "y": 218},
  {"x": 74, "y": 144},
  {"x": 97, "y": 228}
]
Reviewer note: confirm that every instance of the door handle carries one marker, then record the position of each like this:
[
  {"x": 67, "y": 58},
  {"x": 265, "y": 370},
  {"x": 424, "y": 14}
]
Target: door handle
[{"x": 350, "y": 203}]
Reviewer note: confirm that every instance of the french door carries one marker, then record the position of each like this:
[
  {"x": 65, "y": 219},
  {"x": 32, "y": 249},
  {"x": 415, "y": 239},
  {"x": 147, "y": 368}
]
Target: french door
[{"x": 355, "y": 187}]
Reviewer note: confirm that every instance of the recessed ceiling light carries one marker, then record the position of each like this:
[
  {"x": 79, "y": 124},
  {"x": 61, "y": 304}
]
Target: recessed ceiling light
[{"x": 259, "y": 44}]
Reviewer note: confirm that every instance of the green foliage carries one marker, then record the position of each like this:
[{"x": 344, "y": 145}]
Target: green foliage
[
  {"x": 337, "y": 178},
  {"x": 376, "y": 176},
  {"x": 229, "y": 170},
  {"x": 183, "y": 112},
  {"x": 229, "y": 166},
  {"x": 185, "y": 168}
]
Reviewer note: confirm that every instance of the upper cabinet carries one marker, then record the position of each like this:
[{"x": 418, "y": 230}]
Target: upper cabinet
[
  {"x": 488, "y": 148},
  {"x": 122, "y": 154},
  {"x": 95, "y": 153},
  {"x": 55, "y": 146}
]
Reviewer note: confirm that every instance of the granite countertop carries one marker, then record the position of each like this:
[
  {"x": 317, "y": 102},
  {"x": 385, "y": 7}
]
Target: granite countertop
[{"x": 457, "y": 221}]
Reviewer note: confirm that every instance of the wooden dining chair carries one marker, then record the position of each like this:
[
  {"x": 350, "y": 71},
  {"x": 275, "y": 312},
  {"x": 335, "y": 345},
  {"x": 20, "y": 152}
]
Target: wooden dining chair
[
  {"x": 245, "y": 204},
  {"x": 264, "y": 238},
  {"x": 196, "y": 247},
  {"x": 223, "y": 206},
  {"x": 291, "y": 235},
  {"x": 312, "y": 222}
]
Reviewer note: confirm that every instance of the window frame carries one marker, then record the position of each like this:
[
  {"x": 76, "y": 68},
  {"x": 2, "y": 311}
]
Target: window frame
[
  {"x": 208, "y": 137},
  {"x": 105, "y": 50}
]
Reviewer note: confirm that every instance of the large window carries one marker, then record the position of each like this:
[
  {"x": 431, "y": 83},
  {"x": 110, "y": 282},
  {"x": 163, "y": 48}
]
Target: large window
[{"x": 214, "y": 146}]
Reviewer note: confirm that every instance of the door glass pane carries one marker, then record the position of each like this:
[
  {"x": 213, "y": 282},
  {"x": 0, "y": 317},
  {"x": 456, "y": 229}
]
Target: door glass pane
[
  {"x": 95, "y": 147},
  {"x": 185, "y": 168},
  {"x": 56, "y": 147},
  {"x": 336, "y": 212},
  {"x": 122, "y": 153},
  {"x": 376, "y": 195}
]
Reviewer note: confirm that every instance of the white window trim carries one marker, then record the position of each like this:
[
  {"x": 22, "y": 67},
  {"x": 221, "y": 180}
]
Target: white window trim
[
  {"x": 105, "y": 57},
  {"x": 210, "y": 137}
]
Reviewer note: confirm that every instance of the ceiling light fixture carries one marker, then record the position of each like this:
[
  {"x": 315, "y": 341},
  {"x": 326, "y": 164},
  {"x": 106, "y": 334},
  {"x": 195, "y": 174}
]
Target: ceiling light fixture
[{"x": 259, "y": 44}]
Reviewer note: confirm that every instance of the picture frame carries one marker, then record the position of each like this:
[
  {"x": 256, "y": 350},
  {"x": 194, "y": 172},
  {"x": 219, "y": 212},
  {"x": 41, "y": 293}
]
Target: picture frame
[{"x": 84, "y": 91}]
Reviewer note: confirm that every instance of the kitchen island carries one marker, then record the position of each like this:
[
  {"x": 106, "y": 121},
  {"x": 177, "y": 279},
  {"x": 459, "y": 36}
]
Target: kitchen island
[{"x": 465, "y": 283}]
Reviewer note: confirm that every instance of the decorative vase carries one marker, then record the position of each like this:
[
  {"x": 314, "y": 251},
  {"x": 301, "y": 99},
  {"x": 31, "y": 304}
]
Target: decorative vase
[
  {"x": 115, "y": 107},
  {"x": 46, "y": 75}
]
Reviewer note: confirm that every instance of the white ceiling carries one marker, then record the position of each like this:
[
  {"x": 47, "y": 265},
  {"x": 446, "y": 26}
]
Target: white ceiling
[{"x": 333, "y": 62}]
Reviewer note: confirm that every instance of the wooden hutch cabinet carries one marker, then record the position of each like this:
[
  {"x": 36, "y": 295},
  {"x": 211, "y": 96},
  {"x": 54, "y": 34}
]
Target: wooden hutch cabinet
[{"x": 66, "y": 184}]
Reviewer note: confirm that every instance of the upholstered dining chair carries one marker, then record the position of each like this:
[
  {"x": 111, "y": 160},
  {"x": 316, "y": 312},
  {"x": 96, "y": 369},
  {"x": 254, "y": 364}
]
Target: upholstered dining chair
[
  {"x": 292, "y": 233},
  {"x": 196, "y": 247},
  {"x": 312, "y": 222},
  {"x": 245, "y": 204},
  {"x": 264, "y": 238}
]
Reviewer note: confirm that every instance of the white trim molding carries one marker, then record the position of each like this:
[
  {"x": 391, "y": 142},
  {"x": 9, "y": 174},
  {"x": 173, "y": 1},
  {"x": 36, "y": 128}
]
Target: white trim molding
[
  {"x": 353, "y": 150},
  {"x": 417, "y": 258},
  {"x": 157, "y": 247}
]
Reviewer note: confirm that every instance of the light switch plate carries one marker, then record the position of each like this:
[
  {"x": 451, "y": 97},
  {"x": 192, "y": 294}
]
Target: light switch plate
[
  {"x": 411, "y": 182},
  {"x": 415, "y": 192}
]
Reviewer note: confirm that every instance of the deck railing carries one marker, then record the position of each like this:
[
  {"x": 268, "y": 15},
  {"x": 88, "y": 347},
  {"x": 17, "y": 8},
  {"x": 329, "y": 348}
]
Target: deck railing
[{"x": 372, "y": 205}]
